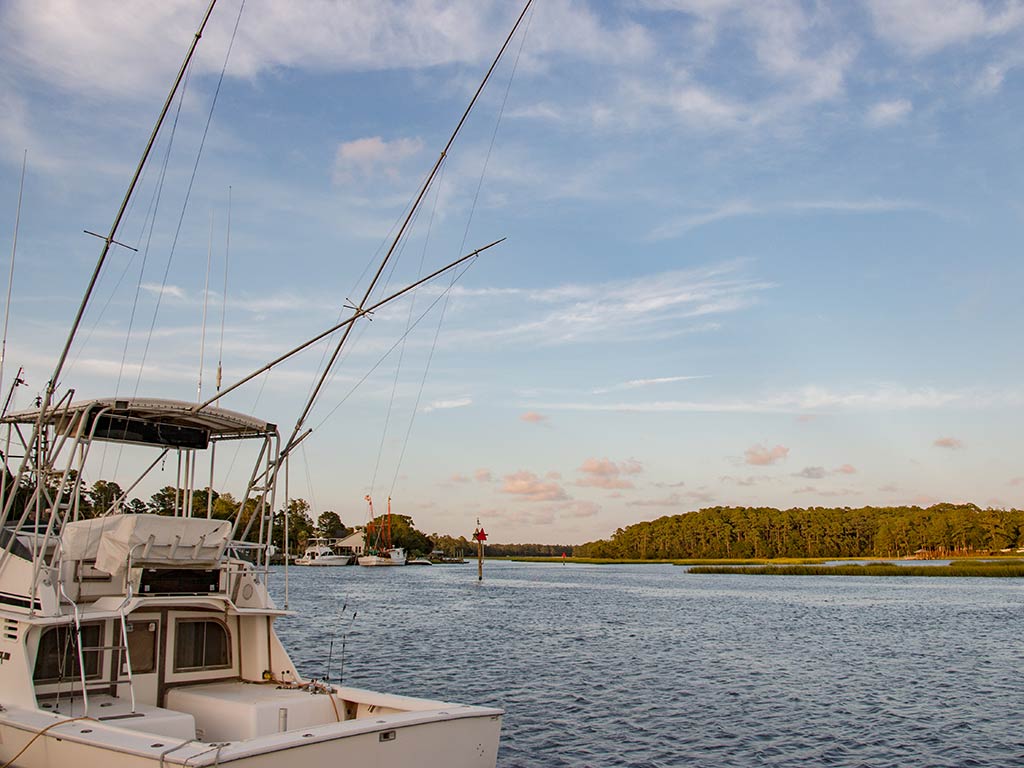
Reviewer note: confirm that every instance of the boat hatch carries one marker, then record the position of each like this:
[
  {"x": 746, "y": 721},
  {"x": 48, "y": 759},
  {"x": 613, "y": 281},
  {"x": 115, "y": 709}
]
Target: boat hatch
[{"x": 178, "y": 581}]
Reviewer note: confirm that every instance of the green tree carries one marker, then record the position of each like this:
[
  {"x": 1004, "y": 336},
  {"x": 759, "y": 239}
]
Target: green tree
[
  {"x": 329, "y": 525},
  {"x": 224, "y": 506},
  {"x": 102, "y": 496},
  {"x": 162, "y": 502},
  {"x": 300, "y": 527}
]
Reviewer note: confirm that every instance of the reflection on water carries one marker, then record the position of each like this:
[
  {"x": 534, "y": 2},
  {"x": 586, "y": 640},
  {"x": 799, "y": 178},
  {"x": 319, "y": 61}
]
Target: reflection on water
[{"x": 652, "y": 666}]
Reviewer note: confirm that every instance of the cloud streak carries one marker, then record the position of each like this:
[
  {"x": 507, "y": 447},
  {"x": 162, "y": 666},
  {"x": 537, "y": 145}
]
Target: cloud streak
[{"x": 812, "y": 399}]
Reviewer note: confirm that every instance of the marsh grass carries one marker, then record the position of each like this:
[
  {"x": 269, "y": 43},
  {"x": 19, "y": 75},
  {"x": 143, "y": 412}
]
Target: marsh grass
[
  {"x": 958, "y": 568},
  {"x": 687, "y": 561}
]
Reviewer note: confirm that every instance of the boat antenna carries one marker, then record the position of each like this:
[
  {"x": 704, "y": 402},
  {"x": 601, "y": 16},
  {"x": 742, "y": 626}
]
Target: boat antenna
[
  {"x": 224, "y": 297},
  {"x": 206, "y": 304},
  {"x": 10, "y": 278},
  {"x": 401, "y": 232},
  {"x": 287, "y": 514}
]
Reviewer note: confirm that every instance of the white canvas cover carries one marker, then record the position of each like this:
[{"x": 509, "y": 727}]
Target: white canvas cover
[{"x": 149, "y": 538}]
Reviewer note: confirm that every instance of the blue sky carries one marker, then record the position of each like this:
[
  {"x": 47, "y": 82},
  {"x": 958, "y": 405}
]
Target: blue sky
[{"x": 758, "y": 253}]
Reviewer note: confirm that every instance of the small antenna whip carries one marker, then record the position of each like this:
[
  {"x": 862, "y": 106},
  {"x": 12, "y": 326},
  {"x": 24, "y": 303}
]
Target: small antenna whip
[
  {"x": 224, "y": 297},
  {"x": 10, "y": 279}
]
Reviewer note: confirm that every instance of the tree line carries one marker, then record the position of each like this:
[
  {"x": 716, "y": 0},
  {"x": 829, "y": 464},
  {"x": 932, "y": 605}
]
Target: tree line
[
  {"x": 765, "y": 532},
  {"x": 102, "y": 495}
]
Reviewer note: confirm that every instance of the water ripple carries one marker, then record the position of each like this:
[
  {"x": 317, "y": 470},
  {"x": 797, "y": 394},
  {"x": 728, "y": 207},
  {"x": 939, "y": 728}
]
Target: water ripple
[{"x": 650, "y": 666}]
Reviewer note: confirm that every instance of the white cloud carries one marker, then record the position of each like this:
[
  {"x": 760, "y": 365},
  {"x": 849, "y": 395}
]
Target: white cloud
[
  {"x": 371, "y": 157},
  {"x": 638, "y": 383},
  {"x": 680, "y": 225},
  {"x": 442, "y": 405},
  {"x": 921, "y": 27},
  {"x": 889, "y": 112},
  {"x": 811, "y": 398},
  {"x": 641, "y": 307},
  {"x": 173, "y": 291},
  {"x": 68, "y": 43}
]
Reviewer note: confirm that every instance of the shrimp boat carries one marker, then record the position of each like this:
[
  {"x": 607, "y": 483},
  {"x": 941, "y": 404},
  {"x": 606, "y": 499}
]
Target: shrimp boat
[
  {"x": 130, "y": 640},
  {"x": 379, "y": 551}
]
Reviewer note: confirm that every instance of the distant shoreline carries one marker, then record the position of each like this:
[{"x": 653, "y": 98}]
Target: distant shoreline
[{"x": 987, "y": 567}]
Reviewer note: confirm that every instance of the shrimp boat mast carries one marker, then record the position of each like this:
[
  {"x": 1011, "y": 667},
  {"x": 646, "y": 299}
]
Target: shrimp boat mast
[
  {"x": 379, "y": 549},
  {"x": 134, "y": 640}
]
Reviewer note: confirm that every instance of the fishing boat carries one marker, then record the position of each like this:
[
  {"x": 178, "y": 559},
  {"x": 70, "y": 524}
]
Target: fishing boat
[
  {"x": 148, "y": 640},
  {"x": 138, "y": 640},
  {"x": 321, "y": 551},
  {"x": 379, "y": 550}
]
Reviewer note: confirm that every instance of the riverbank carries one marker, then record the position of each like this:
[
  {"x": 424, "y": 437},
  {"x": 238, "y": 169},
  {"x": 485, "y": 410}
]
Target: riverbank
[{"x": 955, "y": 569}]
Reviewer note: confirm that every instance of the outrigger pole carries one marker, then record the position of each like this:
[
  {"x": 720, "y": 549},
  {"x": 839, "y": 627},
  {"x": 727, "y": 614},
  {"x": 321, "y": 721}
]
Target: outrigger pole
[
  {"x": 360, "y": 309},
  {"x": 51, "y": 386},
  {"x": 109, "y": 240},
  {"x": 343, "y": 324}
]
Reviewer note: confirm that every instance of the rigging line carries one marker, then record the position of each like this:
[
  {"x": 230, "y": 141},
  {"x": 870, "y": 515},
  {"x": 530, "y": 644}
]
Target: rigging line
[
  {"x": 224, "y": 296},
  {"x": 155, "y": 207},
  {"x": 309, "y": 478},
  {"x": 465, "y": 236},
  {"x": 124, "y": 272},
  {"x": 252, "y": 409},
  {"x": 188, "y": 195},
  {"x": 51, "y": 386},
  {"x": 158, "y": 197},
  {"x": 341, "y": 311},
  {"x": 10, "y": 279},
  {"x": 419, "y": 198},
  {"x": 494, "y": 133},
  {"x": 395, "y": 345},
  {"x": 408, "y": 320},
  {"x": 398, "y": 368},
  {"x": 149, "y": 220},
  {"x": 320, "y": 368},
  {"x": 355, "y": 316},
  {"x": 146, "y": 222}
]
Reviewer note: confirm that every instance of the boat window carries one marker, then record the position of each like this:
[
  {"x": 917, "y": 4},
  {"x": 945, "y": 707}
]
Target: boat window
[
  {"x": 200, "y": 644},
  {"x": 57, "y": 659},
  {"x": 141, "y": 647}
]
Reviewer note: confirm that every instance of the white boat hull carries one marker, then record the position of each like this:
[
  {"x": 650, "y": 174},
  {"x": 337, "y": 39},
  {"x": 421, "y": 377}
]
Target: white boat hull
[
  {"x": 466, "y": 736},
  {"x": 393, "y": 557},
  {"x": 325, "y": 560}
]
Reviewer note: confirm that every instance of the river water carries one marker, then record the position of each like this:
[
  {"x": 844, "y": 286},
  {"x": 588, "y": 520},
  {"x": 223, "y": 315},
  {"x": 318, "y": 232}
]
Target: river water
[{"x": 649, "y": 665}]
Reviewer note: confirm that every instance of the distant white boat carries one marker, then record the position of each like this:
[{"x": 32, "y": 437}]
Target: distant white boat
[
  {"x": 392, "y": 556},
  {"x": 320, "y": 551}
]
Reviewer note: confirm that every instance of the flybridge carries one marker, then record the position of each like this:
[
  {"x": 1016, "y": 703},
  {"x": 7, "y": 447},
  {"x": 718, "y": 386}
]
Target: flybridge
[{"x": 147, "y": 421}]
